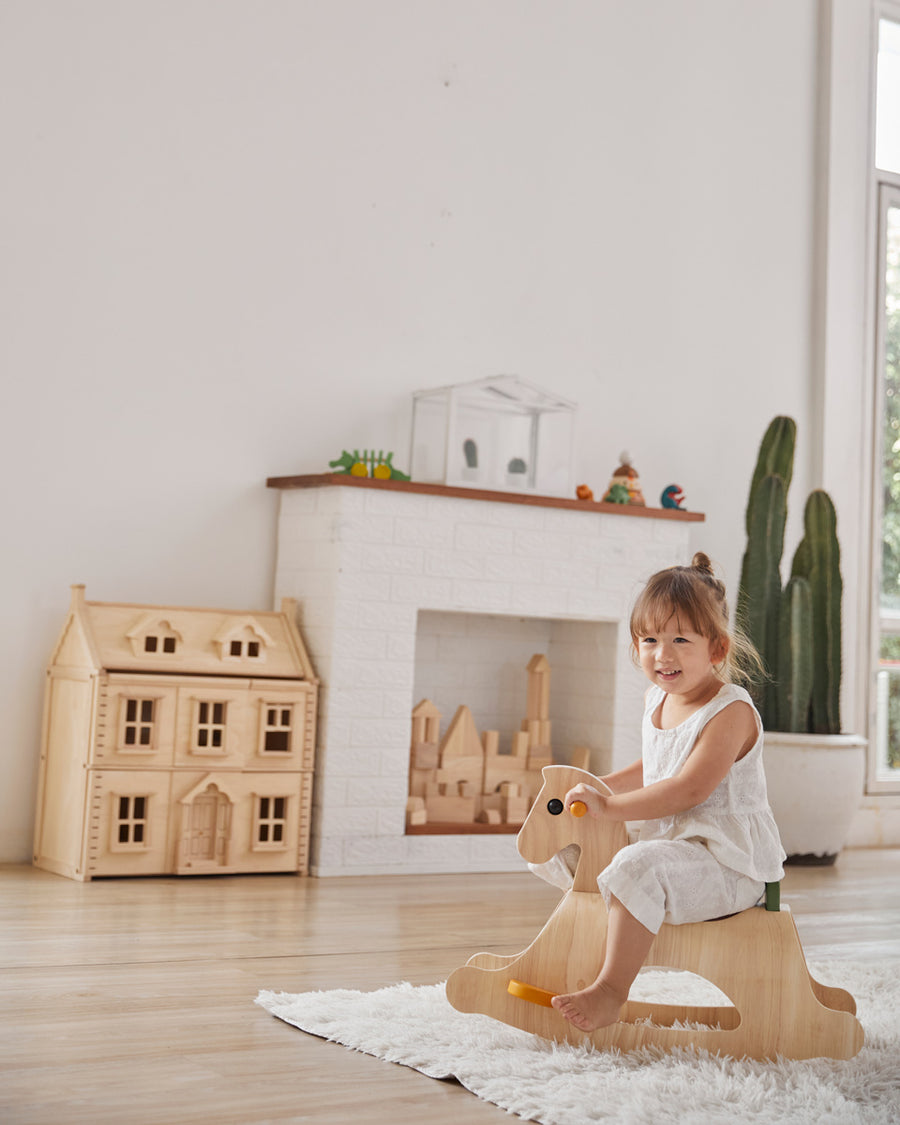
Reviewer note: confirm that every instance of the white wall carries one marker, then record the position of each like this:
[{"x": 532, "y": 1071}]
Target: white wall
[{"x": 237, "y": 235}]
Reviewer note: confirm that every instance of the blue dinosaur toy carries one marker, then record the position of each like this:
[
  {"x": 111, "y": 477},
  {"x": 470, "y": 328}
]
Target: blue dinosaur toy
[{"x": 672, "y": 497}]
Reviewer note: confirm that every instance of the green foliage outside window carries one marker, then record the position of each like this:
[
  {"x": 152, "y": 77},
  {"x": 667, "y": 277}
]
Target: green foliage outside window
[
  {"x": 890, "y": 570},
  {"x": 890, "y": 555}
]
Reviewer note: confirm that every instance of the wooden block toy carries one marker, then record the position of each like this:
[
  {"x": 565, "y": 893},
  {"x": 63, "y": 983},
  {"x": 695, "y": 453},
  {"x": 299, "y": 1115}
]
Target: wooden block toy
[
  {"x": 489, "y": 816},
  {"x": 513, "y": 805},
  {"x": 490, "y": 740},
  {"x": 501, "y": 768},
  {"x": 462, "y": 739},
  {"x": 461, "y": 769},
  {"x": 466, "y": 763},
  {"x": 754, "y": 957},
  {"x": 176, "y": 741},
  {"x": 415, "y": 811},
  {"x": 424, "y": 755},
  {"x": 451, "y": 809},
  {"x": 426, "y": 722},
  {"x": 581, "y": 758},
  {"x": 515, "y": 810},
  {"x": 520, "y": 744},
  {"x": 537, "y": 704}
]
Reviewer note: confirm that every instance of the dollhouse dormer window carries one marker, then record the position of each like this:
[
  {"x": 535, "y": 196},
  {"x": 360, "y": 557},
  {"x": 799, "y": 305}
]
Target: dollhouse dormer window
[
  {"x": 153, "y": 637},
  {"x": 243, "y": 640},
  {"x": 154, "y": 643}
]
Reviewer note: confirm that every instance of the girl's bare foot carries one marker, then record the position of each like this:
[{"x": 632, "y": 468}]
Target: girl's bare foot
[{"x": 591, "y": 1008}]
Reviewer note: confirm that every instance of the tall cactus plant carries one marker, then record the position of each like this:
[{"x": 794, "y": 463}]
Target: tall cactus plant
[{"x": 796, "y": 630}]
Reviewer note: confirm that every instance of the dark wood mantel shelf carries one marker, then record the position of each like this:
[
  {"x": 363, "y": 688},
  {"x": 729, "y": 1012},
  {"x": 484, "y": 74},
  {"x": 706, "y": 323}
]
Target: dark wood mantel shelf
[{"x": 345, "y": 480}]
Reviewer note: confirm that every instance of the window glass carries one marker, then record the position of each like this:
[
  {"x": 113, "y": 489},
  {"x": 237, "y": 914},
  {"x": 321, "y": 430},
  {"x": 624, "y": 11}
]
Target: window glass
[
  {"x": 271, "y": 823},
  {"x": 890, "y": 556},
  {"x": 888, "y": 671}
]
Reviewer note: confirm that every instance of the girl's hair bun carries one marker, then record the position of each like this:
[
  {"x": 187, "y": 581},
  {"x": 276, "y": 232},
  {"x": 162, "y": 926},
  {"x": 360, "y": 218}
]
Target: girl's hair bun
[{"x": 702, "y": 563}]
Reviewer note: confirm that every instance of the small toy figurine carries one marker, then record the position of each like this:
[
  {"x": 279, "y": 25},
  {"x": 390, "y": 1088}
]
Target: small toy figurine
[
  {"x": 617, "y": 494},
  {"x": 672, "y": 497},
  {"x": 583, "y": 492},
  {"x": 625, "y": 477},
  {"x": 367, "y": 463}
]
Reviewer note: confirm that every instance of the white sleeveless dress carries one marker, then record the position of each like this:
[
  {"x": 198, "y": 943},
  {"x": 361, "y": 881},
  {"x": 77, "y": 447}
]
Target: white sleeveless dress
[{"x": 708, "y": 861}]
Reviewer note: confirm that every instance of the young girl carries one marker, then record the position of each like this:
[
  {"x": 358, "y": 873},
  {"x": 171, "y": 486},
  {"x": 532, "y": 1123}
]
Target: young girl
[{"x": 708, "y": 842}]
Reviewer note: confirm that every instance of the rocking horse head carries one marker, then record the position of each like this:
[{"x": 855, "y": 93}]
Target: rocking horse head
[{"x": 550, "y": 827}]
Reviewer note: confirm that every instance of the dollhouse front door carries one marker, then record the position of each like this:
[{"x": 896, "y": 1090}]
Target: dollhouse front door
[{"x": 207, "y": 830}]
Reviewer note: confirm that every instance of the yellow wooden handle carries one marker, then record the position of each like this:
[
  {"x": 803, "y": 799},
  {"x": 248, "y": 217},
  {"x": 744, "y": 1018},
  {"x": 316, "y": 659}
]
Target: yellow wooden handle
[
  {"x": 578, "y": 808},
  {"x": 530, "y": 993}
]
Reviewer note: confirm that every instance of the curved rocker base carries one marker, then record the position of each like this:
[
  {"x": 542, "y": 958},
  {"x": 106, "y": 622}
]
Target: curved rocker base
[{"x": 754, "y": 958}]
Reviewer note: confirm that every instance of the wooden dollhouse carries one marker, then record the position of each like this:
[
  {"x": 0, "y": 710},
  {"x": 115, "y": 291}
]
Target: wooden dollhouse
[{"x": 176, "y": 742}]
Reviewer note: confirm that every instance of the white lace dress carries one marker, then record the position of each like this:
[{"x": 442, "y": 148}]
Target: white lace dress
[{"x": 709, "y": 861}]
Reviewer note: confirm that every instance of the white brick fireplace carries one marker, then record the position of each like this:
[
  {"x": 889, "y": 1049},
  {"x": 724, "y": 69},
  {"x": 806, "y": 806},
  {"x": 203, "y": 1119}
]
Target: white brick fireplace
[{"x": 411, "y": 590}]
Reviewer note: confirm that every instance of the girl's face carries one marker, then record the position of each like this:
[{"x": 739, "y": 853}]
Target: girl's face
[{"x": 679, "y": 661}]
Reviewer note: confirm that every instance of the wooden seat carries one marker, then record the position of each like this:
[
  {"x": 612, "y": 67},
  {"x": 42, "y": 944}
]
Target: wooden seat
[{"x": 754, "y": 958}]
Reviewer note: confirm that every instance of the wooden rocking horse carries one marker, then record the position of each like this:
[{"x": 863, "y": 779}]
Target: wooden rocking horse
[{"x": 753, "y": 957}]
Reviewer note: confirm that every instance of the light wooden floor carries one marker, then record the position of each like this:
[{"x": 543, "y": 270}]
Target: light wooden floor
[{"x": 131, "y": 1001}]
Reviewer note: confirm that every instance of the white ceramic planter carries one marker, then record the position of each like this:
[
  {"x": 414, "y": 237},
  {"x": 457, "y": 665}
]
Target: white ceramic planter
[{"x": 815, "y": 785}]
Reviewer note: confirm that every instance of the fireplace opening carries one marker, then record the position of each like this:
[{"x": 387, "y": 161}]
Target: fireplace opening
[{"x": 495, "y": 698}]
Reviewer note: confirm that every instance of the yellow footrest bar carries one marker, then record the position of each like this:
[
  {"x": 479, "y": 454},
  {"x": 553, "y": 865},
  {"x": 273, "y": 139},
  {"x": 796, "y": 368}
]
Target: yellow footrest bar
[{"x": 530, "y": 993}]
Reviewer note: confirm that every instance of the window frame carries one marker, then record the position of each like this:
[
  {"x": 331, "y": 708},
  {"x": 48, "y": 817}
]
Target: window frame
[
  {"x": 265, "y": 727},
  {"x": 884, "y": 791},
  {"x": 117, "y": 820},
  {"x": 137, "y": 748},
  {"x": 884, "y": 622},
  {"x": 210, "y": 751},
  {"x": 271, "y": 821}
]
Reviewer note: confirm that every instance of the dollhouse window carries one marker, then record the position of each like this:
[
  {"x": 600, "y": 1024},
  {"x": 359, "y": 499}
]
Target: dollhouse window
[
  {"x": 244, "y": 639},
  {"x": 130, "y": 824},
  {"x": 270, "y": 827},
  {"x": 152, "y": 636},
  {"x": 166, "y": 643},
  {"x": 209, "y": 727},
  {"x": 277, "y": 728},
  {"x": 138, "y": 725}
]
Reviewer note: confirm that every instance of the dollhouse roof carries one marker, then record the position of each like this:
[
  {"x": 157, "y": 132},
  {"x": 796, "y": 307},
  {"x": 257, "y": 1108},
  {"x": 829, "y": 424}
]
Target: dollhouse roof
[{"x": 113, "y": 636}]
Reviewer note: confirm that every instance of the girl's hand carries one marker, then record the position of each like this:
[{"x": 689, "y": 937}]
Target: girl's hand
[{"x": 589, "y": 796}]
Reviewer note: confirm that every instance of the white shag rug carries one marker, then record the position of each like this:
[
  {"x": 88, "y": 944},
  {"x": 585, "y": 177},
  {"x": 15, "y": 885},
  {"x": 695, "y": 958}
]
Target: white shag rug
[{"x": 558, "y": 1084}]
